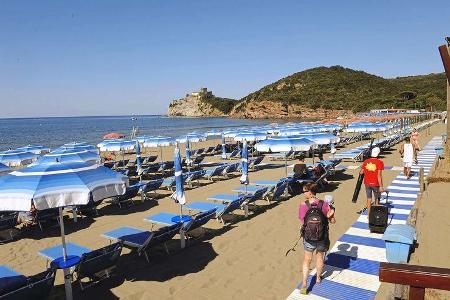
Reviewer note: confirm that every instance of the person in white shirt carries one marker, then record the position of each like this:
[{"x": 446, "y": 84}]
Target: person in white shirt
[{"x": 407, "y": 152}]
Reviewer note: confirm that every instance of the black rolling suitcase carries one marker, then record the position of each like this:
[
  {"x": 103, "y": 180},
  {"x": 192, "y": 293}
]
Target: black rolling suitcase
[{"x": 378, "y": 218}]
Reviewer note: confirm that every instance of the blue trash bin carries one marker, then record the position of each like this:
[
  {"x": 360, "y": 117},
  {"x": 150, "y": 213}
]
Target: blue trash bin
[
  {"x": 399, "y": 241},
  {"x": 439, "y": 151}
]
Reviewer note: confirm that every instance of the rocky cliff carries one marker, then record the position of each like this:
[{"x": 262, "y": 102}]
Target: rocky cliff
[
  {"x": 267, "y": 109},
  {"x": 201, "y": 104},
  {"x": 192, "y": 106}
]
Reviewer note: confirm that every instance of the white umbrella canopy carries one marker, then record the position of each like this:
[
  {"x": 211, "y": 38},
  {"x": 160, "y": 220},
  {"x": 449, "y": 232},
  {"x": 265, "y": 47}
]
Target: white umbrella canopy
[
  {"x": 17, "y": 158},
  {"x": 250, "y": 136}
]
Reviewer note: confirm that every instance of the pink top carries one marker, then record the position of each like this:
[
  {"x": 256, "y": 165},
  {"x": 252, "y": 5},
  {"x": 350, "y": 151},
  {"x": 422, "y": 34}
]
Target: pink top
[{"x": 303, "y": 208}]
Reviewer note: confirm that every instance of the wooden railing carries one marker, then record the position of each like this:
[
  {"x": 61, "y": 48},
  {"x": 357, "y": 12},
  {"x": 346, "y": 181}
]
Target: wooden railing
[{"x": 417, "y": 277}]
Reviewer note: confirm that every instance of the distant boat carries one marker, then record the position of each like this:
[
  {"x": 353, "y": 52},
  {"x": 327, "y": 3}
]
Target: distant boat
[{"x": 133, "y": 118}]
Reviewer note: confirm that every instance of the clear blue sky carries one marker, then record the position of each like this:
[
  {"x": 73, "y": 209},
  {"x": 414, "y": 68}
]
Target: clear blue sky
[{"x": 65, "y": 58}]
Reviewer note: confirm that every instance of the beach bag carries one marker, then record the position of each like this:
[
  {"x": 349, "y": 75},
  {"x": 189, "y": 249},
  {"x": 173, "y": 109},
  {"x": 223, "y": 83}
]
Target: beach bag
[{"x": 315, "y": 225}]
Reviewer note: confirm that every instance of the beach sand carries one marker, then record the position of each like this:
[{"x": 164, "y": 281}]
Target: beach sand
[{"x": 243, "y": 260}]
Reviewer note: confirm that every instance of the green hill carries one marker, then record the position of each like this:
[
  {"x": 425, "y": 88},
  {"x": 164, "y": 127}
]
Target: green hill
[
  {"x": 225, "y": 105},
  {"x": 342, "y": 88}
]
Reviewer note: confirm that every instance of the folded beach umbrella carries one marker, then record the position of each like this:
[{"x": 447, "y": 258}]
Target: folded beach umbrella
[
  {"x": 178, "y": 195},
  {"x": 58, "y": 185},
  {"x": 188, "y": 153},
  {"x": 69, "y": 155},
  {"x": 138, "y": 158},
  {"x": 4, "y": 169},
  {"x": 244, "y": 164},
  {"x": 34, "y": 149},
  {"x": 224, "y": 150},
  {"x": 17, "y": 158}
]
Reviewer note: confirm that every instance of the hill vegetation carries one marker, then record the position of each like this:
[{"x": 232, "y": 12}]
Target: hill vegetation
[
  {"x": 339, "y": 88},
  {"x": 225, "y": 105}
]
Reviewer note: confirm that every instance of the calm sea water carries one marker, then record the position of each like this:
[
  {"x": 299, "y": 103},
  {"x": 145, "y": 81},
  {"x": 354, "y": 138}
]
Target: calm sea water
[{"x": 53, "y": 132}]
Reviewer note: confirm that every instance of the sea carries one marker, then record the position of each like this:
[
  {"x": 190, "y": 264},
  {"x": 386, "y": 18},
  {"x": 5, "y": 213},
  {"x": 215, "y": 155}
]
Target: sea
[{"x": 56, "y": 131}]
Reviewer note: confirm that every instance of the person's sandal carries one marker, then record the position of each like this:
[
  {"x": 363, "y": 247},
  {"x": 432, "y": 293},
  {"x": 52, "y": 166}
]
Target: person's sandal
[{"x": 304, "y": 291}]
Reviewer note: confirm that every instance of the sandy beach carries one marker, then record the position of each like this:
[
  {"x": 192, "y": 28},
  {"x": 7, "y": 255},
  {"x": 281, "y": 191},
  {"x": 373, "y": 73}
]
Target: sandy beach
[{"x": 243, "y": 260}]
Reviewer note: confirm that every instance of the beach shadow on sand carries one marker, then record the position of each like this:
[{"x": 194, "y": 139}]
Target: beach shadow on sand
[
  {"x": 162, "y": 267},
  {"x": 54, "y": 230},
  {"x": 335, "y": 262},
  {"x": 340, "y": 176},
  {"x": 114, "y": 209}
]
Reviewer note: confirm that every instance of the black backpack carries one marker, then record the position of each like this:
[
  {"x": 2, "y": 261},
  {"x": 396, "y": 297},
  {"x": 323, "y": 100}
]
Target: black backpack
[{"x": 315, "y": 225}]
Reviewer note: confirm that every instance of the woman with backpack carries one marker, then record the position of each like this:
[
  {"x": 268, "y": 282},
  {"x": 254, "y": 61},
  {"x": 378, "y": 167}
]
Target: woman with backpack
[{"x": 315, "y": 215}]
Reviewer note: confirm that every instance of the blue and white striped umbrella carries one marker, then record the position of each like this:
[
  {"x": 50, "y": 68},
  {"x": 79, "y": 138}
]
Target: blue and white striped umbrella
[
  {"x": 158, "y": 141},
  {"x": 17, "y": 158},
  {"x": 78, "y": 146},
  {"x": 192, "y": 137},
  {"x": 284, "y": 145},
  {"x": 212, "y": 134},
  {"x": 224, "y": 149},
  {"x": 244, "y": 164},
  {"x": 58, "y": 185},
  {"x": 69, "y": 155},
  {"x": 250, "y": 136},
  {"x": 4, "y": 168},
  {"x": 36, "y": 149},
  {"x": 118, "y": 145},
  {"x": 188, "y": 153},
  {"x": 178, "y": 195},
  {"x": 138, "y": 158}
]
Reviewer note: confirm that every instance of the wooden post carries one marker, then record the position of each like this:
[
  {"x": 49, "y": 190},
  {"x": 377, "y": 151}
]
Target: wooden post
[
  {"x": 444, "y": 51},
  {"x": 421, "y": 180}
]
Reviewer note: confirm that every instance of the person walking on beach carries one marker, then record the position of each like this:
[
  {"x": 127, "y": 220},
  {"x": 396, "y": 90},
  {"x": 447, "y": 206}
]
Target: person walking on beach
[
  {"x": 373, "y": 179},
  {"x": 415, "y": 143},
  {"x": 315, "y": 215},
  {"x": 407, "y": 151}
]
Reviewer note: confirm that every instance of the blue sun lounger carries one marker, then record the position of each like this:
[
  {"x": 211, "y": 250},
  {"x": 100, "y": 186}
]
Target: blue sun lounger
[
  {"x": 254, "y": 163},
  {"x": 140, "y": 240},
  {"x": 98, "y": 264},
  {"x": 214, "y": 172},
  {"x": 189, "y": 222},
  {"x": 131, "y": 192},
  {"x": 221, "y": 208},
  {"x": 194, "y": 176},
  {"x": 14, "y": 285},
  {"x": 150, "y": 186},
  {"x": 8, "y": 223},
  {"x": 229, "y": 169}
]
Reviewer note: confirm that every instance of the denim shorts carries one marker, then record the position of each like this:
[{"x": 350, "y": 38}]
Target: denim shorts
[
  {"x": 320, "y": 246},
  {"x": 373, "y": 189}
]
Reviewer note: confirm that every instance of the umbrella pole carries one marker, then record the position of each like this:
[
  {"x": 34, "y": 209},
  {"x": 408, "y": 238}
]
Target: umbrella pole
[{"x": 67, "y": 276}]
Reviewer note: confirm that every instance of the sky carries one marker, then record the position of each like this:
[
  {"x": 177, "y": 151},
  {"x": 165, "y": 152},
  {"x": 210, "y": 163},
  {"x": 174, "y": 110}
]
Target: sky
[{"x": 80, "y": 58}]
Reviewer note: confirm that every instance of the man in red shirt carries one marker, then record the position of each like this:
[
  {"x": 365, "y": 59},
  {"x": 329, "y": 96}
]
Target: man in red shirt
[{"x": 373, "y": 178}]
